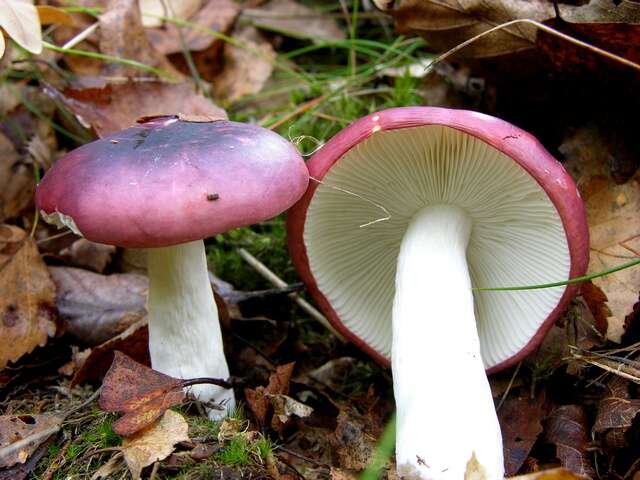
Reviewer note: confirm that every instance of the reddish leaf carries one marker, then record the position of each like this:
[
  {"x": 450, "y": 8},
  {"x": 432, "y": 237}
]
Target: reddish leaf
[
  {"x": 142, "y": 394},
  {"x": 566, "y": 428}
]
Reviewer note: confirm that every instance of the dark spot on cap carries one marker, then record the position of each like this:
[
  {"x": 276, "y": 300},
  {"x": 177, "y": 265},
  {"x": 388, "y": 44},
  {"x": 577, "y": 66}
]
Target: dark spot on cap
[
  {"x": 10, "y": 317},
  {"x": 212, "y": 196}
]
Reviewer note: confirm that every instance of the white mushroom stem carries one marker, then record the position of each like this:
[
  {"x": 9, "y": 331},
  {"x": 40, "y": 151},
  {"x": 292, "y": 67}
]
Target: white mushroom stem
[
  {"x": 184, "y": 331},
  {"x": 445, "y": 411}
]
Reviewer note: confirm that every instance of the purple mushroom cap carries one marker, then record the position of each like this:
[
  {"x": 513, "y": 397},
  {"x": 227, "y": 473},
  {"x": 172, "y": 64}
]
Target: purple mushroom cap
[{"x": 167, "y": 181}]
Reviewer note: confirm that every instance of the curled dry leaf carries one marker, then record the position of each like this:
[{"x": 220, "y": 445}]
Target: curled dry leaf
[
  {"x": 520, "y": 422},
  {"x": 294, "y": 19},
  {"x": 245, "y": 70},
  {"x": 258, "y": 398},
  {"x": 15, "y": 428},
  {"x": 99, "y": 307},
  {"x": 284, "y": 407},
  {"x": 133, "y": 342},
  {"x": 19, "y": 18},
  {"x": 142, "y": 394},
  {"x": 616, "y": 412},
  {"x": 214, "y": 16},
  {"x": 567, "y": 429},
  {"x": 27, "y": 311},
  {"x": 614, "y": 227},
  {"x": 90, "y": 255},
  {"x": 109, "y": 108},
  {"x": 155, "y": 443}
]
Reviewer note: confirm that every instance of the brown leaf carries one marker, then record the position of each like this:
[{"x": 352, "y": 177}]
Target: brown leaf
[
  {"x": 567, "y": 429},
  {"x": 257, "y": 399},
  {"x": 614, "y": 229},
  {"x": 616, "y": 412},
  {"x": 294, "y": 19},
  {"x": 215, "y": 16},
  {"x": 179, "y": 9},
  {"x": 134, "y": 342},
  {"x": 448, "y": 23},
  {"x": 27, "y": 315},
  {"x": 86, "y": 254},
  {"x": 49, "y": 14},
  {"x": 139, "y": 392},
  {"x": 113, "y": 107},
  {"x": 155, "y": 443},
  {"x": 11, "y": 240},
  {"x": 99, "y": 307},
  {"x": 520, "y": 422},
  {"x": 14, "y": 428},
  {"x": 245, "y": 70},
  {"x": 17, "y": 183},
  {"x": 122, "y": 35}
]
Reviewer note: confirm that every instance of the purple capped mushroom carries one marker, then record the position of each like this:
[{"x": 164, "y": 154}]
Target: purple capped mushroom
[{"x": 165, "y": 185}]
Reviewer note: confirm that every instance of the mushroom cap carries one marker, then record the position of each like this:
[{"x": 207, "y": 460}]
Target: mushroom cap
[
  {"x": 167, "y": 181},
  {"x": 529, "y": 224}
]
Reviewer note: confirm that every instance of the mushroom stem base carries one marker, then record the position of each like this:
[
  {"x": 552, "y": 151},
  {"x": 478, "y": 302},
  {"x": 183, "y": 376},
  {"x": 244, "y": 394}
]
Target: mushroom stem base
[
  {"x": 185, "y": 340},
  {"x": 445, "y": 411}
]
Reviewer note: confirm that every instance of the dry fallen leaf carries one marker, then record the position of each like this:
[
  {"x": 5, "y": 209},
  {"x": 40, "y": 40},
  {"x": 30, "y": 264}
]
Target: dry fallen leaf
[
  {"x": 55, "y": 15},
  {"x": 112, "y": 107},
  {"x": 19, "y": 18},
  {"x": 284, "y": 407},
  {"x": 614, "y": 227},
  {"x": 245, "y": 70},
  {"x": 27, "y": 317},
  {"x": 520, "y": 422},
  {"x": 16, "y": 181},
  {"x": 214, "y": 16},
  {"x": 122, "y": 35},
  {"x": 616, "y": 411},
  {"x": 155, "y": 443},
  {"x": 566, "y": 428},
  {"x": 99, "y": 307},
  {"x": 179, "y": 9},
  {"x": 86, "y": 254},
  {"x": 139, "y": 392},
  {"x": 133, "y": 342},
  {"x": 14, "y": 428},
  {"x": 294, "y": 19},
  {"x": 447, "y": 23},
  {"x": 258, "y": 398}
]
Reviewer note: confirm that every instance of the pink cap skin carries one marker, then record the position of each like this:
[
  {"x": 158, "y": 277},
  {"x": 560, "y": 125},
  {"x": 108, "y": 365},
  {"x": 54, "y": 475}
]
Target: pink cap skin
[
  {"x": 168, "y": 181},
  {"x": 522, "y": 147}
]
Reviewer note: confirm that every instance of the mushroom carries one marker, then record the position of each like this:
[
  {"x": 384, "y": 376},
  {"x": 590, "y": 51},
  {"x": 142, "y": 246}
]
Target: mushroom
[
  {"x": 472, "y": 201},
  {"x": 164, "y": 185}
]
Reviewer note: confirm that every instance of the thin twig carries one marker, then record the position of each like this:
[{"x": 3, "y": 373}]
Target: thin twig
[
  {"x": 271, "y": 277},
  {"x": 20, "y": 444},
  {"x": 83, "y": 35}
]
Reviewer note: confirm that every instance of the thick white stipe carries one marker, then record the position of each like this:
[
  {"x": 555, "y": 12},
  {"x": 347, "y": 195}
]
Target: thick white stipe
[
  {"x": 184, "y": 331},
  {"x": 445, "y": 410}
]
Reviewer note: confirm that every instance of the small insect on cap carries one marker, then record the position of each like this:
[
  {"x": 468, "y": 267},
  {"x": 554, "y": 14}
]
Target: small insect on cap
[
  {"x": 167, "y": 181},
  {"x": 528, "y": 223}
]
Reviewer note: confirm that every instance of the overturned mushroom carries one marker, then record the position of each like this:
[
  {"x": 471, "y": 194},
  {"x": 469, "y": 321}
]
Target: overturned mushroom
[
  {"x": 164, "y": 185},
  {"x": 473, "y": 201}
]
